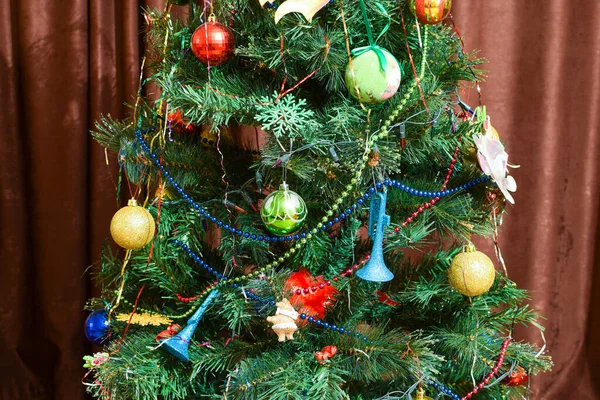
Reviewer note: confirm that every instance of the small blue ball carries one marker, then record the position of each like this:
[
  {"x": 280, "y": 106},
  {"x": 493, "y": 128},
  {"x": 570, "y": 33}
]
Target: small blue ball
[{"x": 96, "y": 327}]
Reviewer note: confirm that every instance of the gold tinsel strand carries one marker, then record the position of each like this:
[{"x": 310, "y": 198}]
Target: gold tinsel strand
[{"x": 144, "y": 319}]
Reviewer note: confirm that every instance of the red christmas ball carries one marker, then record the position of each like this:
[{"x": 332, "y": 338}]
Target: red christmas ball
[
  {"x": 431, "y": 12},
  {"x": 516, "y": 378},
  {"x": 213, "y": 43}
]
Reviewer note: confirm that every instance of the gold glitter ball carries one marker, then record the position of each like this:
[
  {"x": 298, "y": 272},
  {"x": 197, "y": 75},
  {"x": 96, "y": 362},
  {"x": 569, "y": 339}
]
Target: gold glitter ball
[
  {"x": 132, "y": 227},
  {"x": 471, "y": 273}
]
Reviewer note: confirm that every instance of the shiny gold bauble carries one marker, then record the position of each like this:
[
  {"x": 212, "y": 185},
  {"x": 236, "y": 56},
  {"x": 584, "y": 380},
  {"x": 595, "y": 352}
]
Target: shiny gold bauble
[
  {"x": 471, "y": 273},
  {"x": 132, "y": 227},
  {"x": 421, "y": 395}
]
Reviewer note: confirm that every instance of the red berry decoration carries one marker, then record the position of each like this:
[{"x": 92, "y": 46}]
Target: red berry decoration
[
  {"x": 431, "y": 12},
  {"x": 325, "y": 353},
  {"x": 518, "y": 377},
  {"x": 213, "y": 43}
]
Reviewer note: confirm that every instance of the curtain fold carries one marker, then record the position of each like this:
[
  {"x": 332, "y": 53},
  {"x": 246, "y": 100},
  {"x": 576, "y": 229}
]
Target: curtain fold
[
  {"x": 63, "y": 64},
  {"x": 543, "y": 94}
]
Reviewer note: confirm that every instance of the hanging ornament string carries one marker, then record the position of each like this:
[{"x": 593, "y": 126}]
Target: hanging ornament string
[
  {"x": 126, "y": 329},
  {"x": 412, "y": 62},
  {"x": 492, "y": 197},
  {"x": 349, "y": 51},
  {"x": 373, "y": 42},
  {"x": 122, "y": 286},
  {"x": 462, "y": 45},
  {"x": 301, "y": 81},
  {"x": 226, "y": 182},
  {"x": 281, "y": 53}
]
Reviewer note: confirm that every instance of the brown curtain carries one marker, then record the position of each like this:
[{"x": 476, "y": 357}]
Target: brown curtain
[{"x": 63, "y": 63}]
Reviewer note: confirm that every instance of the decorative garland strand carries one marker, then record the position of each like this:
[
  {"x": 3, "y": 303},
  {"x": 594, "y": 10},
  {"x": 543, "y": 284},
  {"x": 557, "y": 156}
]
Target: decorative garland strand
[
  {"x": 332, "y": 327},
  {"x": 253, "y": 296},
  {"x": 480, "y": 385},
  {"x": 384, "y": 131},
  {"x": 343, "y": 274},
  {"x": 443, "y": 389},
  {"x": 434, "y": 200},
  {"x": 327, "y": 221},
  {"x": 494, "y": 371}
]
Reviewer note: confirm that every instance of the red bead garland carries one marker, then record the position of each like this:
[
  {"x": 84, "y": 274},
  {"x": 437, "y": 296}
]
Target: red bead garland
[
  {"x": 343, "y": 274},
  {"x": 494, "y": 371},
  {"x": 432, "y": 202},
  {"x": 194, "y": 298}
]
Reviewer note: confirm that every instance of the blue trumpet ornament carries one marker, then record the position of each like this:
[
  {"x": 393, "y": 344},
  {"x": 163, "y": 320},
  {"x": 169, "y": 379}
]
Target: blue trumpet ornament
[
  {"x": 375, "y": 270},
  {"x": 178, "y": 344}
]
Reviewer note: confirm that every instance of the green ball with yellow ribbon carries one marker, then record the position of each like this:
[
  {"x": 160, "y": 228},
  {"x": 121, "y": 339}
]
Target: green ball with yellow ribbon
[
  {"x": 373, "y": 73},
  {"x": 368, "y": 82}
]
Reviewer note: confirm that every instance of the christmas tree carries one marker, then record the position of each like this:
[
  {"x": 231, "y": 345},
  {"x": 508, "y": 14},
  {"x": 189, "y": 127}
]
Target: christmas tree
[{"x": 304, "y": 194}]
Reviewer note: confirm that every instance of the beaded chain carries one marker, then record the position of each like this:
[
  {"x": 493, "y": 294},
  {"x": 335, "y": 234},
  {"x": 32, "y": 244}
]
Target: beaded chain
[
  {"x": 493, "y": 372},
  {"x": 253, "y": 296},
  {"x": 222, "y": 278},
  {"x": 332, "y": 327},
  {"x": 327, "y": 221},
  {"x": 343, "y": 274},
  {"x": 481, "y": 384},
  {"x": 384, "y": 131},
  {"x": 192, "y": 299},
  {"x": 434, "y": 200},
  {"x": 443, "y": 389}
]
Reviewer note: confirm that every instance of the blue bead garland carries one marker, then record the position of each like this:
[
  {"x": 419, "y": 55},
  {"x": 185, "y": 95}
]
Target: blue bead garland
[
  {"x": 443, "y": 389},
  {"x": 331, "y": 220},
  {"x": 342, "y": 215},
  {"x": 220, "y": 276},
  {"x": 334, "y": 328},
  {"x": 253, "y": 296}
]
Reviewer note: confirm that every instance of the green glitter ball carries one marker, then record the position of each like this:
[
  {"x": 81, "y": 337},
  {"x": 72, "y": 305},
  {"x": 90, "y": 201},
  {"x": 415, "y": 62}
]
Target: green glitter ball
[
  {"x": 374, "y": 84},
  {"x": 283, "y": 211}
]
